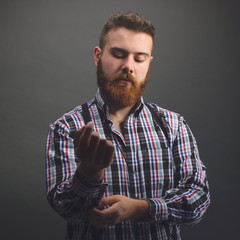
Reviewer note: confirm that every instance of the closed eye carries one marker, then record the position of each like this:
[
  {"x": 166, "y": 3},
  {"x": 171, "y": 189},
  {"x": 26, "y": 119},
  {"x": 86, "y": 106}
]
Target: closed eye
[
  {"x": 119, "y": 53},
  {"x": 140, "y": 58}
]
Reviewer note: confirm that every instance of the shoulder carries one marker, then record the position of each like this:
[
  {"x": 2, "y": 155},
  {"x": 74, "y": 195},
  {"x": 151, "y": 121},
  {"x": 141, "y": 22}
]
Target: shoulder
[
  {"x": 165, "y": 114},
  {"x": 170, "y": 119},
  {"x": 70, "y": 121}
]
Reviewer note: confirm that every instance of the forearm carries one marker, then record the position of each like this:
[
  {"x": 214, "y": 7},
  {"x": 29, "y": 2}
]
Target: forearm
[
  {"x": 74, "y": 198},
  {"x": 67, "y": 191},
  {"x": 186, "y": 202},
  {"x": 179, "y": 206}
]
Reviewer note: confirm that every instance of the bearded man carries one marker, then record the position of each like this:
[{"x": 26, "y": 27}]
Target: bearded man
[{"x": 117, "y": 167}]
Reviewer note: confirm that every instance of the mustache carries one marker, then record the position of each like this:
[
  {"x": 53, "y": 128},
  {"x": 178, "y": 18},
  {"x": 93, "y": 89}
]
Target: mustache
[{"x": 125, "y": 76}]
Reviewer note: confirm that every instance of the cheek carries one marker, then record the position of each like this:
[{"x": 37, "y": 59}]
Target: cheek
[
  {"x": 141, "y": 72},
  {"x": 109, "y": 67}
]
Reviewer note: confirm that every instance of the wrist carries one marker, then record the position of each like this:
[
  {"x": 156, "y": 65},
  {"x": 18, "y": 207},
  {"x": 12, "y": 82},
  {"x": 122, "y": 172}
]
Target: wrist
[
  {"x": 90, "y": 174},
  {"x": 141, "y": 209}
]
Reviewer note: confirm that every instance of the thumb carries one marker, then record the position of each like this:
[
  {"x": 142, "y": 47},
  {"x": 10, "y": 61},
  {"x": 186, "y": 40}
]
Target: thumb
[
  {"x": 109, "y": 201},
  {"x": 77, "y": 135}
]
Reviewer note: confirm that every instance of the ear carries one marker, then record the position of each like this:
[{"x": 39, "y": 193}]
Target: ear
[
  {"x": 97, "y": 54},
  {"x": 151, "y": 58}
]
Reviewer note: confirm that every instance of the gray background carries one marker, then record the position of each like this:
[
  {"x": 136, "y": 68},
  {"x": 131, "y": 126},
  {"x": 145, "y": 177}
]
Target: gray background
[{"x": 46, "y": 69}]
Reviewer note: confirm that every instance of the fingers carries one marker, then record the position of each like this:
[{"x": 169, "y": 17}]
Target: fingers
[
  {"x": 93, "y": 147},
  {"x": 110, "y": 216},
  {"x": 109, "y": 152},
  {"x": 93, "y": 152},
  {"x": 109, "y": 201},
  {"x": 76, "y": 139},
  {"x": 81, "y": 138},
  {"x": 118, "y": 208},
  {"x": 105, "y": 153},
  {"x": 96, "y": 218},
  {"x": 84, "y": 139},
  {"x": 104, "y": 218}
]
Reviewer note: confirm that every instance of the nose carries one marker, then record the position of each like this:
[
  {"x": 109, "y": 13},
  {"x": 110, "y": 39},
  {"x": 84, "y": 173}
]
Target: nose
[{"x": 128, "y": 65}]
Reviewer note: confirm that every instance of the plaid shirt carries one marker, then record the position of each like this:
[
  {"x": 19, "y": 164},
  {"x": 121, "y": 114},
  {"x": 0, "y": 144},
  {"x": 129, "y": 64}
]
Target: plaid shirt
[{"x": 147, "y": 164}]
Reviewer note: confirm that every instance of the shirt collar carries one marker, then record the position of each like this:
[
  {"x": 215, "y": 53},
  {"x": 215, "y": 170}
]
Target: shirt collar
[{"x": 100, "y": 102}]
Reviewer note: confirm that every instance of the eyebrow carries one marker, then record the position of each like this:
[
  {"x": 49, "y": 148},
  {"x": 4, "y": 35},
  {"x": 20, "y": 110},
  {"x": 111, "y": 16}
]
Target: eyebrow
[{"x": 126, "y": 52}]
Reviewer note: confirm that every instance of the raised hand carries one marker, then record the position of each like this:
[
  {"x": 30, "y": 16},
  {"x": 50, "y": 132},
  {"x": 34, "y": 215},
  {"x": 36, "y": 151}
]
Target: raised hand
[{"x": 94, "y": 153}]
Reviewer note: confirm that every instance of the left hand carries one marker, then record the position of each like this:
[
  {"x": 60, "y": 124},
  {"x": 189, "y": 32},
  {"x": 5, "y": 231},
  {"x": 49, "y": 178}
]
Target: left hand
[{"x": 119, "y": 208}]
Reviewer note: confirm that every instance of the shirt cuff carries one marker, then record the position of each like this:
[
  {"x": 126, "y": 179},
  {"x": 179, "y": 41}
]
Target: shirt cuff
[
  {"x": 158, "y": 209},
  {"x": 86, "y": 189}
]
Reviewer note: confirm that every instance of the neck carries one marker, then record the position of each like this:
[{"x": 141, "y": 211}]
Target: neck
[
  {"x": 118, "y": 114},
  {"x": 118, "y": 117}
]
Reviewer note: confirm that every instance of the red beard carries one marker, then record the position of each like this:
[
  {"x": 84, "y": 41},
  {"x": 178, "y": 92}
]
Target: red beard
[{"x": 121, "y": 93}]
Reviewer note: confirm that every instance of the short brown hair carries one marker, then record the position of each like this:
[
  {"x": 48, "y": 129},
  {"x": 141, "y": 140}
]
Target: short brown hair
[{"x": 130, "y": 20}]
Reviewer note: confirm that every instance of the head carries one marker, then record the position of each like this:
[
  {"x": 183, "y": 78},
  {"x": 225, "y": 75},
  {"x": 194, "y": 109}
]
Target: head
[
  {"x": 129, "y": 20},
  {"x": 123, "y": 58}
]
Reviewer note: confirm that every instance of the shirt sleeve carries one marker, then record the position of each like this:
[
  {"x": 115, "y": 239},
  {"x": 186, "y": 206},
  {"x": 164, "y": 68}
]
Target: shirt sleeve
[
  {"x": 67, "y": 192},
  {"x": 187, "y": 201}
]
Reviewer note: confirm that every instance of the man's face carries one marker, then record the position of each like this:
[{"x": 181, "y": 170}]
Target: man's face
[{"x": 123, "y": 66}]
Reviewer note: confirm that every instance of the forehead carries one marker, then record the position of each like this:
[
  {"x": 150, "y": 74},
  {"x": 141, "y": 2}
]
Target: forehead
[{"x": 129, "y": 40}]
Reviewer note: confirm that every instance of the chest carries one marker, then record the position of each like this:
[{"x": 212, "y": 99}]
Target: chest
[{"x": 142, "y": 165}]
